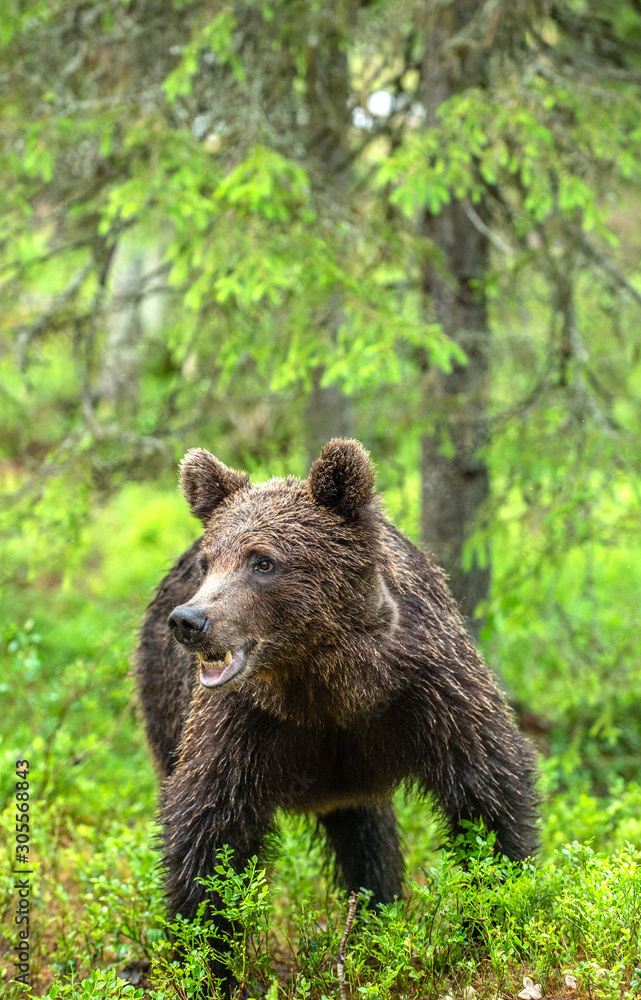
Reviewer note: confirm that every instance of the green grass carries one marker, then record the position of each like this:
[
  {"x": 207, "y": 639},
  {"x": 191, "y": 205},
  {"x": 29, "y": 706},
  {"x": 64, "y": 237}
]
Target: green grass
[{"x": 99, "y": 908}]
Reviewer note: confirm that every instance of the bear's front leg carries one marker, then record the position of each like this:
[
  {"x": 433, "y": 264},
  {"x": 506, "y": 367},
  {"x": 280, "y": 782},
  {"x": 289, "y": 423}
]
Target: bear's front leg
[
  {"x": 477, "y": 765},
  {"x": 214, "y": 798},
  {"x": 192, "y": 838}
]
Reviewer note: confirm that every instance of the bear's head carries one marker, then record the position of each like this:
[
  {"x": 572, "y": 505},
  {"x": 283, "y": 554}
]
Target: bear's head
[{"x": 292, "y": 571}]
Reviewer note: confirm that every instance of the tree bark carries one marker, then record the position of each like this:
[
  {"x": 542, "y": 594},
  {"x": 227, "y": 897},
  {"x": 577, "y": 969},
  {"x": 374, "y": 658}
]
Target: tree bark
[
  {"x": 328, "y": 415},
  {"x": 453, "y": 473},
  {"x": 328, "y": 87}
]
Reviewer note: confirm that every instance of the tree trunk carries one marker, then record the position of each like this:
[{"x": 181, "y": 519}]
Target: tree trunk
[
  {"x": 328, "y": 415},
  {"x": 454, "y": 476},
  {"x": 328, "y": 88}
]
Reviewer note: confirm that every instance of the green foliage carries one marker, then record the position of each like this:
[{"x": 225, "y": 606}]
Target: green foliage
[
  {"x": 480, "y": 926},
  {"x": 216, "y": 37},
  {"x": 258, "y": 274},
  {"x": 243, "y": 900},
  {"x": 98, "y": 985},
  {"x": 121, "y": 890},
  {"x": 481, "y": 141}
]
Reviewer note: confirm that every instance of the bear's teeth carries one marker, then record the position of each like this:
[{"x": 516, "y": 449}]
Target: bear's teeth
[
  {"x": 227, "y": 658},
  {"x": 212, "y": 663}
]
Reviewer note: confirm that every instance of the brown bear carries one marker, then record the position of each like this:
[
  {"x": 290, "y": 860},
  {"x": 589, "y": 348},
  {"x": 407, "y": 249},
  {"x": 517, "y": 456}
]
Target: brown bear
[{"x": 303, "y": 654}]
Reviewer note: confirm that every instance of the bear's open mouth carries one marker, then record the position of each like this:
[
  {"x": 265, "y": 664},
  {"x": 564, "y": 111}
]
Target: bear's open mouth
[{"x": 215, "y": 672}]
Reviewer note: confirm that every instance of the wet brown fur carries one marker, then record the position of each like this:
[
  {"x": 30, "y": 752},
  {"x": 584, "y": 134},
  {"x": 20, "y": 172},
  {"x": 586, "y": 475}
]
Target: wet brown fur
[{"x": 362, "y": 679}]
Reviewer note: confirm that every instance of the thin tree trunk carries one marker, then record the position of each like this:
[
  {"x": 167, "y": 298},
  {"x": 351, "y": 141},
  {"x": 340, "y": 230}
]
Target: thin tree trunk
[
  {"x": 328, "y": 87},
  {"x": 454, "y": 476},
  {"x": 328, "y": 415},
  {"x": 118, "y": 381}
]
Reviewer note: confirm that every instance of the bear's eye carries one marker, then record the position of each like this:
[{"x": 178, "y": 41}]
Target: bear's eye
[
  {"x": 264, "y": 565},
  {"x": 203, "y": 566}
]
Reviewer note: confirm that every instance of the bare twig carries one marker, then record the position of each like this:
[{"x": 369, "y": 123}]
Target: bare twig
[
  {"x": 478, "y": 223},
  {"x": 28, "y": 333},
  {"x": 606, "y": 265},
  {"x": 21, "y": 266},
  {"x": 340, "y": 960}
]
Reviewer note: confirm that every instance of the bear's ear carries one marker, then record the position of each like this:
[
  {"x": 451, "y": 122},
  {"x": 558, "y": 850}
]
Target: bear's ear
[
  {"x": 205, "y": 482},
  {"x": 343, "y": 477}
]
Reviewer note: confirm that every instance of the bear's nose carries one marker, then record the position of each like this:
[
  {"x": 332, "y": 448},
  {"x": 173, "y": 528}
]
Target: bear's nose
[{"x": 187, "y": 623}]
